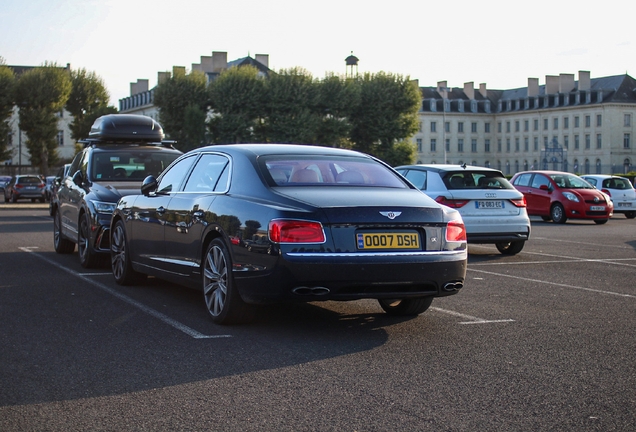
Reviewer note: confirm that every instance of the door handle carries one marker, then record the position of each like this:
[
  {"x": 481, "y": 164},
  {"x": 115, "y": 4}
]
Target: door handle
[
  {"x": 198, "y": 214},
  {"x": 161, "y": 210}
]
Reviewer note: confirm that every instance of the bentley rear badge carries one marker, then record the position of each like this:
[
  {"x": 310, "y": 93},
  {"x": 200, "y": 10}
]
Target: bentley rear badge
[{"x": 390, "y": 214}]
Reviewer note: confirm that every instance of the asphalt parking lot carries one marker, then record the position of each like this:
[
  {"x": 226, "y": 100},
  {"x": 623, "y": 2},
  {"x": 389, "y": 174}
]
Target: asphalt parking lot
[{"x": 543, "y": 340}]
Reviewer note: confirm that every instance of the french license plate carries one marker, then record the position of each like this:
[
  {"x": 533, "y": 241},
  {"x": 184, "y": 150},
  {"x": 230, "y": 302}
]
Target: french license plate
[
  {"x": 489, "y": 204},
  {"x": 597, "y": 208},
  {"x": 625, "y": 204},
  {"x": 30, "y": 188},
  {"x": 409, "y": 240}
]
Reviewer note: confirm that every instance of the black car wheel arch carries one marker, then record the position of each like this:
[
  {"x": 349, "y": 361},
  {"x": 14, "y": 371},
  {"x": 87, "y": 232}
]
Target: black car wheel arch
[
  {"x": 61, "y": 245},
  {"x": 120, "y": 257},
  {"x": 88, "y": 258}
]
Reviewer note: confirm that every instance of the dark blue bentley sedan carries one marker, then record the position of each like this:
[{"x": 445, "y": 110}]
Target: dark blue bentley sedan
[{"x": 259, "y": 223}]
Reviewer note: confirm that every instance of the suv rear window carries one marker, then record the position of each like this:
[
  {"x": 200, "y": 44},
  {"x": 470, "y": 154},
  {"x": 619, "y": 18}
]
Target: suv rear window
[
  {"x": 475, "y": 180},
  {"x": 29, "y": 180},
  {"x": 129, "y": 165}
]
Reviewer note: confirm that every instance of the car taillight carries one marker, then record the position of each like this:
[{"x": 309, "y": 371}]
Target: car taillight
[
  {"x": 453, "y": 203},
  {"x": 295, "y": 231},
  {"x": 18, "y": 186},
  {"x": 521, "y": 202},
  {"x": 41, "y": 185},
  {"x": 607, "y": 192},
  {"x": 455, "y": 232}
]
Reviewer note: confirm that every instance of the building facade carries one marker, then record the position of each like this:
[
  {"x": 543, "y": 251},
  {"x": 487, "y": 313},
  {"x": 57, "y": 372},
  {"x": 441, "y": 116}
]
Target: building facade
[{"x": 583, "y": 126}]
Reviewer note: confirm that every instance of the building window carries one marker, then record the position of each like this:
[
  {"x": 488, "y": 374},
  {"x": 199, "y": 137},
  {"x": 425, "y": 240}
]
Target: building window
[
  {"x": 536, "y": 143},
  {"x": 508, "y": 145},
  {"x": 419, "y": 144},
  {"x": 599, "y": 141},
  {"x": 473, "y": 127},
  {"x": 588, "y": 122},
  {"x": 517, "y": 127},
  {"x": 447, "y": 145},
  {"x": 487, "y": 146},
  {"x": 576, "y": 121},
  {"x": 433, "y": 145},
  {"x": 460, "y": 127},
  {"x": 545, "y": 124},
  {"x": 60, "y": 138},
  {"x": 10, "y": 139},
  {"x": 526, "y": 125},
  {"x": 555, "y": 126},
  {"x": 508, "y": 127},
  {"x": 566, "y": 122},
  {"x": 576, "y": 142},
  {"x": 499, "y": 127},
  {"x": 627, "y": 120},
  {"x": 433, "y": 126},
  {"x": 526, "y": 144},
  {"x": 626, "y": 141},
  {"x": 499, "y": 145},
  {"x": 460, "y": 145},
  {"x": 447, "y": 127},
  {"x": 420, "y": 127},
  {"x": 586, "y": 166},
  {"x": 536, "y": 124},
  {"x": 588, "y": 141},
  {"x": 598, "y": 166},
  {"x": 545, "y": 142},
  {"x": 473, "y": 145},
  {"x": 566, "y": 142},
  {"x": 487, "y": 127},
  {"x": 517, "y": 144},
  {"x": 599, "y": 120}
]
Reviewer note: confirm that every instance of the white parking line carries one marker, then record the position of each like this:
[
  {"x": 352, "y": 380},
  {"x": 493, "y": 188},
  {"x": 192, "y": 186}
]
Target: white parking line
[
  {"x": 472, "y": 319},
  {"x": 554, "y": 283},
  {"x": 166, "y": 319}
]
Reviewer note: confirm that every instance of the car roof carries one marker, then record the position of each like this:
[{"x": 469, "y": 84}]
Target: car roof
[
  {"x": 281, "y": 149},
  {"x": 448, "y": 167}
]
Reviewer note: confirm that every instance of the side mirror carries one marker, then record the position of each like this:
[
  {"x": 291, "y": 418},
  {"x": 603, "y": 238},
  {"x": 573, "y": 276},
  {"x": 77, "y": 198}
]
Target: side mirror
[
  {"x": 149, "y": 186},
  {"x": 545, "y": 187},
  {"x": 78, "y": 178}
]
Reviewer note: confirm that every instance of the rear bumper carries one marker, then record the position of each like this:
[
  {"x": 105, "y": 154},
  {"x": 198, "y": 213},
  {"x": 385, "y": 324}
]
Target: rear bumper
[{"x": 497, "y": 238}]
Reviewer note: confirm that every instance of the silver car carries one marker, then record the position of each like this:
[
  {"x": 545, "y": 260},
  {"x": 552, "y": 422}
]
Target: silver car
[
  {"x": 493, "y": 210},
  {"x": 620, "y": 190}
]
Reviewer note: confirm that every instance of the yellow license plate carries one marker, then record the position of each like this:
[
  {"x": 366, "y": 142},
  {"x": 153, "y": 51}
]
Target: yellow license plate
[{"x": 388, "y": 241}]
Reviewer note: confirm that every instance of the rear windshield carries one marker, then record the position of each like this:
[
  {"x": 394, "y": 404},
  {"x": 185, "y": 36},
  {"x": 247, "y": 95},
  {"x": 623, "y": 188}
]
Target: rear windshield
[
  {"x": 328, "y": 171},
  {"x": 476, "y": 180},
  {"x": 129, "y": 165},
  {"x": 29, "y": 180},
  {"x": 617, "y": 183}
]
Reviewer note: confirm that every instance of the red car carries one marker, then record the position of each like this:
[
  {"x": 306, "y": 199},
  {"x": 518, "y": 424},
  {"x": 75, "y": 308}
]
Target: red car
[{"x": 557, "y": 196}]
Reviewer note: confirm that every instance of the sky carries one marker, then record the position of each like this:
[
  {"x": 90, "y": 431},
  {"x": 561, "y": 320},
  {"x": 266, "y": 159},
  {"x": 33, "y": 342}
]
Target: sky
[{"x": 499, "y": 43}]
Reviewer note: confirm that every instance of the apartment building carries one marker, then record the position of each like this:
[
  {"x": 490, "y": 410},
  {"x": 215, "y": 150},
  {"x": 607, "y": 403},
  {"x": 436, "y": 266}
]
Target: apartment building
[{"x": 584, "y": 126}]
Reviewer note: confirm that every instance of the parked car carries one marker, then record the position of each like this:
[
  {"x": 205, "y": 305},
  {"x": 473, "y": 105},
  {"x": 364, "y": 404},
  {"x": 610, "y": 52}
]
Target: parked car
[
  {"x": 492, "y": 209},
  {"x": 25, "y": 186},
  {"x": 48, "y": 185},
  {"x": 121, "y": 150},
  {"x": 620, "y": 190},
  {"x": 264, "y": 223},
  {"x": 3, "y": 181},
  {"x": 557, "y": 196},
  {"x": 59, "y": 176}
]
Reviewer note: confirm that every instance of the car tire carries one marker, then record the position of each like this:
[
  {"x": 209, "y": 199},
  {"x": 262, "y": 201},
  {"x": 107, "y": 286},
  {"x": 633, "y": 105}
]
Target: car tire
[
  {"x": 406, "y": 307},
  {"x": 61, "y": 245},
  {"x": 13, "y": 198},
  {"x": 88, "y": 258},
  {"x": 120, "y": 257},
  {"x": 510, "y": 248},
  {"x": 222, "y": 300},
  {"x": 557, "y": 212},
  {"x": 600, "y": 221},
  {"x": 630, "y": 215}
]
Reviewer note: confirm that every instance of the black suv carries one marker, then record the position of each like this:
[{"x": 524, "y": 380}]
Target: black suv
[{"x": 121, "y": 150}]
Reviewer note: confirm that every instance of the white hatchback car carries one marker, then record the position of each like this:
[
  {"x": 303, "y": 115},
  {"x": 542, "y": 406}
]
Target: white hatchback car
[
  {"x": 492, "y": 209},
  {"x": 619, "y": 189}
]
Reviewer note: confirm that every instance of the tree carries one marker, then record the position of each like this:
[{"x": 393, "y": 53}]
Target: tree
[
  {"x": 87, "y": 101},
  {"x": 386, "y": 113},
  {"x": 237, "y": 99},
  {"x": 337, "y": 98},
  {"x": 7, "y": 85},
  {"x": 41, "y": 93},
  {"x": 291, "y": 107},
  {"x": 177, "y": 98}
]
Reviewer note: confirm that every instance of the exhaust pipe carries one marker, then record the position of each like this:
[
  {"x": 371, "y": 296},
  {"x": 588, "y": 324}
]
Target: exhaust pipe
[
  {"x": 453, "y": 286},
  {"x": 311, "y": 291}
]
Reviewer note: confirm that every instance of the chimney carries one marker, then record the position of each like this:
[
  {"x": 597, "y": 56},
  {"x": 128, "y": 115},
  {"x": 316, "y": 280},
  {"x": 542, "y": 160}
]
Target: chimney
[
  {"x": 551, "y": 84},
  {"x": 469, "y": 90},
  {"x": 178, "y": 71},
  {"x": 442, "y": 89},
  {"x": 533, "y": 87},
  {"x": 139, "y": 87},
  {"x": 566, "y": 83},
  {"x": 483, "y": 91},
  {"x": 584, "y": 81},
  {"x": 219, "y": 61},
  {"x": 162, "y": 77},
  {"x": 206, "y": 64},
  {"x": 262, "y": 59},
  {"x": 196, "y": 67}
]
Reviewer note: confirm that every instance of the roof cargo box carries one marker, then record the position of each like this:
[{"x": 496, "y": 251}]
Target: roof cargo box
[{"x": 126, "y": 127}]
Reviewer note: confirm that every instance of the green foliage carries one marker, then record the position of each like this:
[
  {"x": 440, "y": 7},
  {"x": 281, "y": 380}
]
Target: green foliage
[
  {"x": 401, "y": 153},
  {"x": 177, "y": 96},
  {"x": 386, "y": 112},
  {"x": 41, "y": 94},
  {"x": 87, "y": 101},
  {"x": 237, "y": 98},
  {"x": 337, "y": 99},
  {"x": 291, "y": 109},
  {"x": 7, "y": 85}
]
